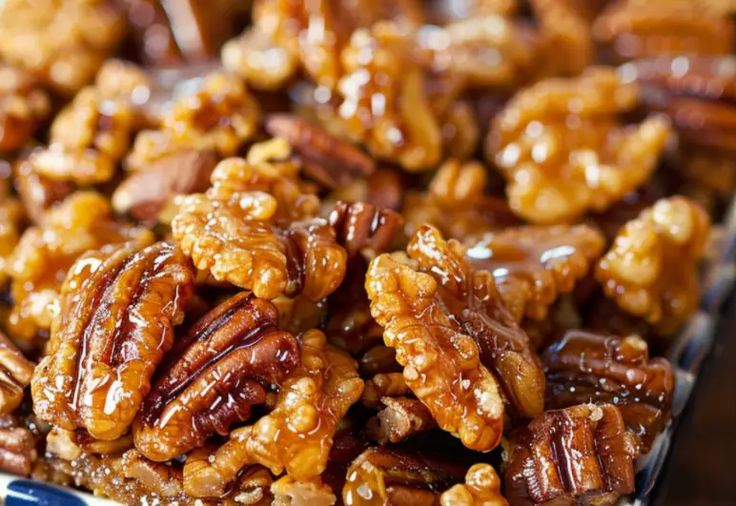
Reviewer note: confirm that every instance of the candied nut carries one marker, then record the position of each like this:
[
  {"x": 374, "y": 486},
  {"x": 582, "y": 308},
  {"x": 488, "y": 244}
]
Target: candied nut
[
  {"x": 585, "y": 367},
  {"x": 561, "y": 148},
  {"x": 146, "y": 194},
  {"x": 220, "y": 116},
  {"x": 390, "y": 384},
  {"x": 254, "y": 487},
  {"x": 400, "y": 419},
  {"x": 640, "y": 28},
  {"x": 156, "y": 477},
  {"x": 328, "y": 160},
  {"x": 15, "y": 374},
  {"x": 62, "y": 43},
  {"x": 379, "y": 359},
  {"x": 45, "y": 252},
  {"x": 223, "y": 367},
  {"x": 289, "y": 492},
  {"x": 456, "y": 203},
  {"x": 11, "y": 213},
  {"x": 449, "y": 327},
  {"x": 382, "y": 475},
  {"x": 88, "y": 138},
  {"x": 363, "y": 228},
  {"x": 582, "y": 453},
  {"x": 254, "y": 228},
  {"x": 482, "y": 487},
  {"x": 17, "y": 448},
  {"x": 651, "y": 269},
  {"x": 533, "y": 265},
  {"x": 23, "y": 106},
  {"x": 38, "y": 193},
  {"x": 118, "y": 308},
  {"x": 296, "y": 435},
  {"x": 384, "y": 189},
  {"x": 696, "y": 93}
]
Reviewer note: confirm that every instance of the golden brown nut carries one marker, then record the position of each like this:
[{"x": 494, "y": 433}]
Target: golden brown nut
[
  {"x": 564, "y": 42},
  {"x": 158, "y": 478},
  {"x": 449, "y": 327},
  {"x": 11, "y": 213},
  {"x": 17, "y": 447},
  {"x": 482, "y": 487},
  {"x": 533, "y": 265},
  {"x": 585, "y": 367},
  {"x": 23, "y": 106},
  {"x": 289, "y": 492},
  {"x": 255, "y": 228},
  {"x": 62, "y": 43},
  {"x": 15, "y": 375},
  {"x": 640, "y": 28},
  {"x": 582, "y": 453},
  {"x": 651, "y": 269},
  {"x": 457, "y": 204},
  {"x": 382, "y": 385},
  {"x": 297, "y": 435},
  {"x": 364, "y": 229},
  {"x": 399, "y": 419},
  {"x": 563, "y": 151},
  {"x": 45, "y": 252},
  {"x": 118, "y": 309},
  {"x": 38, "y": 193},
  {"x": 223, "y": 367}
]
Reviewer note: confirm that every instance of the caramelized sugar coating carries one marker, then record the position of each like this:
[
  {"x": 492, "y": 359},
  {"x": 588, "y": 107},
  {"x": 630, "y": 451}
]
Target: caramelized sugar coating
[
  {"x": 45, "y": 252},
  {"x": 456, "y": 203},
  {"x": 585, "y": 367},
  {"x": 563, "y": 150},
  {"x": 533, "y": 265},
  {"x": 88, "y": 138},
  {"x": 364, "y": 229},
  {"x": 462, "y": 352},
  {"x": 256, "y": 229},
  {"x": 290, "y": 492},
  {"x": 580, "y": 454},
  {"x": 23, "y": 106},
  {"x": 225, "y": 365},
  {"x": 118, "y": 309},
  {"x": 640, "y": 28},
  {"x": 330, "y": 161},
  {"x": 62, "y": 43},
  {"x": 15, "y": 375},
  {"x": 651, "y": 269},
  {"x": 17, "y": 446},
  {"x": 482, "y": 487},
  {"x": 381, "y": 475},
  {"x": 296, "y": 436},
  {"x": 11, "y": 214}
]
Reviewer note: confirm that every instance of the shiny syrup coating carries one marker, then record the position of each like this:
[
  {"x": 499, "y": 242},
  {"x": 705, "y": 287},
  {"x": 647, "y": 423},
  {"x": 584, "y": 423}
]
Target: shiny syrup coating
[
  {"x": 118, "y": 310},
  {"x": 225, "y": 365}
]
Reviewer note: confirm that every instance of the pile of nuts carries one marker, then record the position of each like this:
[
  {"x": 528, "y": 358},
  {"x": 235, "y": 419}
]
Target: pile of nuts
[{"x": 375, "y": 253}]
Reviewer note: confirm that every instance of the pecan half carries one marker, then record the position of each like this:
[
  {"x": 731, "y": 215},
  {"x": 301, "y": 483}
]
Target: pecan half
[
  {"x": 582, "y": 453},
  {"x": 330, "y": 161},
  {"x": 364, "y": 228},
  {"x": 296, "y": 435},
  {"x": 17, "y": 447},
  {"x": 532, "y": 266},
  {"x": 15, "y": 374},
  {"x": 585, "y": 367},
  {"x": 118, "y": 310},
  {"x": 225, "y": 364},
  {"x": 449, "y": 327}
]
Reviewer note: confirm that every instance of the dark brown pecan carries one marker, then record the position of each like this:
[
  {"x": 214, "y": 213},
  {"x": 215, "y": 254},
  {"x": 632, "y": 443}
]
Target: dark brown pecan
[
  {"x": 381, "y": 476},
  {"x": 15, "y": 375},
  {"x": 401, "y": 418},
  {"x": 364, "y": 228},
  {"x": 330, "y": 161},
  {"x": 148, "y": 192},
  {"x": 582, "y": 453},
  {"x": 118, "y": 309},
  {"x": 17, "y": 448},
  {"x": 223, "y": 367},
  {"x": 585, "y": 367}
]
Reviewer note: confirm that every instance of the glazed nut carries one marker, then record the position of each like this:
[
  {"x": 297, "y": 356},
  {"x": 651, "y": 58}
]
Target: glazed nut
[
  {"x": 482, "y": 487},
  {"x": 15, "y": 374},
  {"x": 289, "y": 492},
  {"x": 582, "y": 451},
  {"x": 363, "y": 228},
  {"x": 17, "y": 450},
  {"x": 400, "y": 419},
  {"x": 118, "y": 309},
  {"x": 225, "y": 365},
  {"x": 163, "y": 480},
  {"x": 23, "y": 106}
]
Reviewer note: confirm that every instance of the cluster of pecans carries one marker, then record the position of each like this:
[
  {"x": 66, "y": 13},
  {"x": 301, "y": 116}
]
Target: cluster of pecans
[{"x": 373, "y": 253}]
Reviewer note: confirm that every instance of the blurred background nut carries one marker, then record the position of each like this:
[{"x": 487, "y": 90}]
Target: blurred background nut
[
  {"x": 23, "y": 106},
  {"x": 17, "y": 447},
  {"x": 38, "y": 193},
  {"x": 15, "y": 375}
]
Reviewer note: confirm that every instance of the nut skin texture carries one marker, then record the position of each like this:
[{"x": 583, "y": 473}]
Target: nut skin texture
[
  {"x": 296, "y": 436},
  {"x": 582, "y": 454},
  {"x": 256, "y": 229},
  {"x": 462, "y": 352},
  {"x": 585, "y": 367},
  {"x": 560, "y": 164},
  {"x": 532, "y": 265},
  {"x": 15, "y": 374},
  {"x": 651, "y": 269},
  {"x": 23, "y": 106},
  {"x": 118, "y": 310},
  {"x": 224, "y": 365},
  {"x": 482, "y": 487}
]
